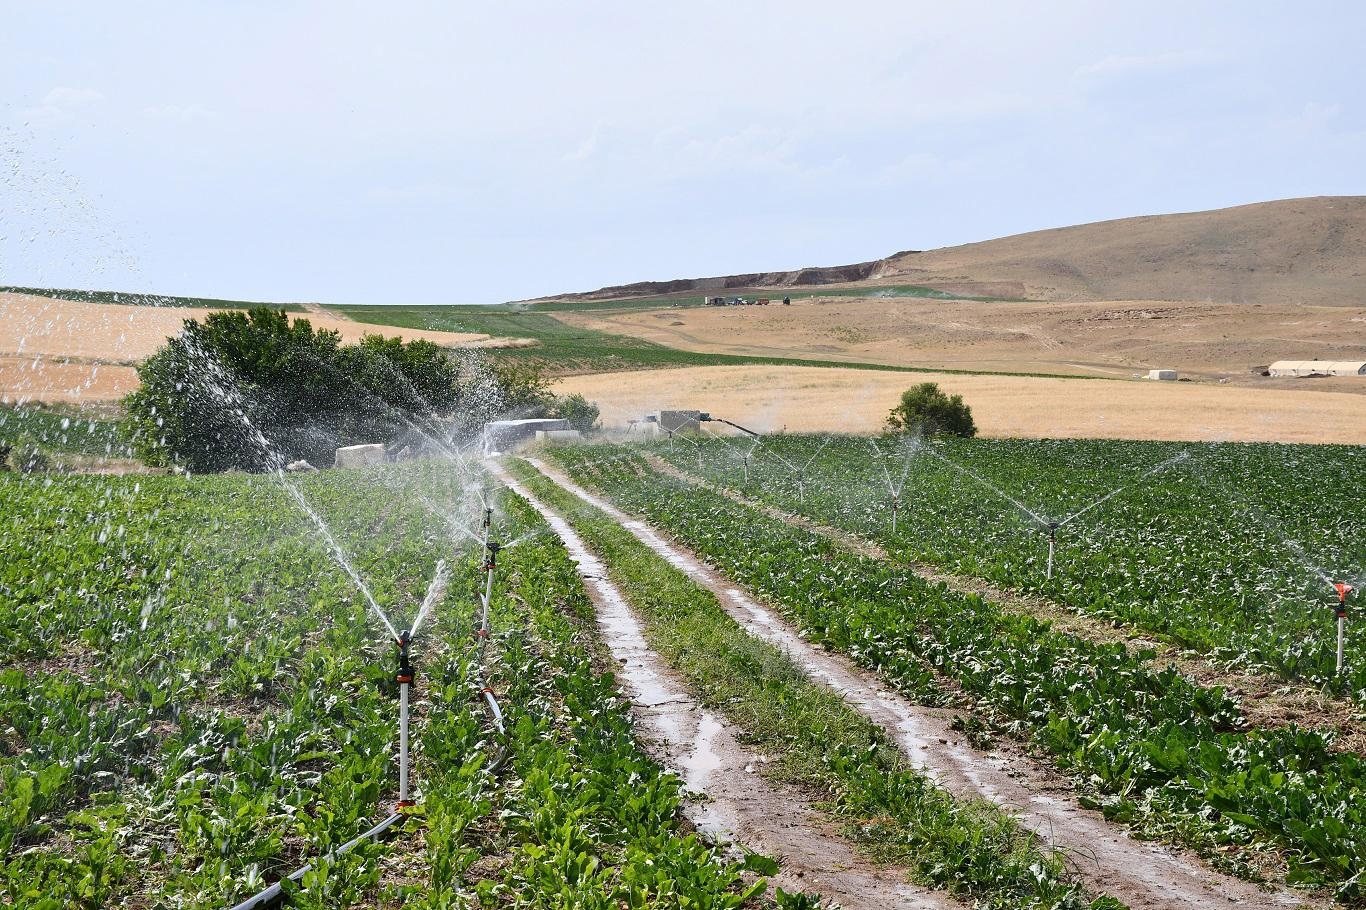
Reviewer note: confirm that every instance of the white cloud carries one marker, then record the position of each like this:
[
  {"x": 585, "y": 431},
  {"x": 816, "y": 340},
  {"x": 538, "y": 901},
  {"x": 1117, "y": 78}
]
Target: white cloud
[
  {"x": 184, "y": 113},
  {"x": 65, "y": 97},
  {"x": 1123, "y": 65},
  {"x": 588, "y": 147},
  {"x": 59, "y": 106}
]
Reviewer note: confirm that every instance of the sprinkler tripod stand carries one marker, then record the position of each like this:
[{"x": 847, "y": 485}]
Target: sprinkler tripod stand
[{"x": 1343, "y": 590}]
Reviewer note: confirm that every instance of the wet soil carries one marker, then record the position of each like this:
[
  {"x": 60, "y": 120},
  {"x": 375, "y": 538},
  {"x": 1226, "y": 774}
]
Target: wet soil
[
  {"x": 732, "y": 803},
  {"x": 1267, "y": 702},
  {"x": 1105, "y": 857}
]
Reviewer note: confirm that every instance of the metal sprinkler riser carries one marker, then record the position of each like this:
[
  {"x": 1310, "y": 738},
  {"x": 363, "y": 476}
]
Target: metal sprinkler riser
[
  {"x": 1052, "y": 544},
  {"x": 404, "y": 677},
  {"x": 1341, "y": 612}
]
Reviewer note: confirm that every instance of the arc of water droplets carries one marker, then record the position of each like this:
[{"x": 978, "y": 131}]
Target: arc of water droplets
[
  {"x": 435, "y": 591},
  {"x": 1175, "y": 459},
  {"x": 990, "y": 486},
  {"x": 337, "y": 552}
]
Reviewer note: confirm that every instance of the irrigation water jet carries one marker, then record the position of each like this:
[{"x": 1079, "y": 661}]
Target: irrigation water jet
[{"x": 894, "y": 489}]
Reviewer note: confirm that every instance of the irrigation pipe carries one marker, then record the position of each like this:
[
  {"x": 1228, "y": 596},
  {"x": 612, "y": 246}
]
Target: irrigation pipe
[{"x": 276, "y": 893}]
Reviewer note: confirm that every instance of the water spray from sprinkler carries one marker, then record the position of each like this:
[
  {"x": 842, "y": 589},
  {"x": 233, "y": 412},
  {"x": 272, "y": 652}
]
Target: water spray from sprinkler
[{"x": 894, "y": 489}]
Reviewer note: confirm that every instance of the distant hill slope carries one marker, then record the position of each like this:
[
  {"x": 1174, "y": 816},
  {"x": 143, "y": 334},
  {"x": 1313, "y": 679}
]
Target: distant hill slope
[{"x": 1309, "y": 250}]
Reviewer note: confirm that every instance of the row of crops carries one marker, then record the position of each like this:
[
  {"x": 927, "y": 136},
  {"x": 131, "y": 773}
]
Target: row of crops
[
  {"x": 1229, "y": 551},
  {"x": 196, "y": 702},
  {"x": 1149, "y": 748}
]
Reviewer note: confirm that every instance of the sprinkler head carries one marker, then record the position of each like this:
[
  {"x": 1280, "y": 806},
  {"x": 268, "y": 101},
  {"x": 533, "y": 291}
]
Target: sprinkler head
[
  {"x": 405, "y": 667},
  {"x": 1053, "y": 529},
  {"x": 493, "y": 547},
  {"x": 1343, "y": 590},
  {"x": 488, "y": 519}
]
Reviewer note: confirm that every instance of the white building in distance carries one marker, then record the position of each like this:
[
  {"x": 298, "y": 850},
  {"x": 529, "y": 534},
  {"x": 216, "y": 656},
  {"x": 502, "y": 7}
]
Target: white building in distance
[{"x": 1318, "y": 368}]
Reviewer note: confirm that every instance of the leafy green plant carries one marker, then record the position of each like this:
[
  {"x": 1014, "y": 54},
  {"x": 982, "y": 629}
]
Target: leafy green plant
[{"x": 1158, "y": 751}]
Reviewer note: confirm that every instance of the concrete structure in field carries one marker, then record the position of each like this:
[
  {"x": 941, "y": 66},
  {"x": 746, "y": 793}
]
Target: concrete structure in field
[
  {"x": 360, "y": 456},
  {"x": 508, "y": 435},
  {"x": 682, "y": 421},
  {"x": 1318, "y": 368},
  {"x": 1167, "y": 375},
  {"x": 558, "y": 436}
]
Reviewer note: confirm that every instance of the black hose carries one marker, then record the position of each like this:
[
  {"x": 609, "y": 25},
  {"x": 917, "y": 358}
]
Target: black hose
[{"x": 276, "y": 893}]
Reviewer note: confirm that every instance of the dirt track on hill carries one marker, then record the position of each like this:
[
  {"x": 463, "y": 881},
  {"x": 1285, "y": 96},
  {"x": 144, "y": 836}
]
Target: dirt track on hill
[{"x": 816, "y": 399}]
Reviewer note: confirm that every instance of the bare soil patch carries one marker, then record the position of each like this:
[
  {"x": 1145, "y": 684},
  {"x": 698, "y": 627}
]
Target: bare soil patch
[{"x": 815, "y": 399}]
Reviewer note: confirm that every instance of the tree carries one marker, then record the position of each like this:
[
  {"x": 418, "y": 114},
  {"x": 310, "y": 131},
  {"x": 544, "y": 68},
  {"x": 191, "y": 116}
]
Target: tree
[
  {"x": 253, "y": 391},
  {"x": 926, "y": 409},
  {"x": 581, "y": 413}
]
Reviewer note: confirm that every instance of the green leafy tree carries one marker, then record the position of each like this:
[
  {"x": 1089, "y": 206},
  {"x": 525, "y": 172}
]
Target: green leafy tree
[
  {"x": 926, "y": 409},
  {"x": 251, "y": 390},
  {"x": 581, "y": 413}
]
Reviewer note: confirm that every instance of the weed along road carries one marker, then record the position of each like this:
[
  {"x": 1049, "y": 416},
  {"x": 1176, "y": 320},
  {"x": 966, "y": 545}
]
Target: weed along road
[
  {"x": 737, "y": 804},
  {"x": 1103, "y": 855}
]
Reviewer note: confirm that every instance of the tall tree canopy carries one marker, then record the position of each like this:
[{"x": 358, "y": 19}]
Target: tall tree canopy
[{"x": 251, "y": 390}]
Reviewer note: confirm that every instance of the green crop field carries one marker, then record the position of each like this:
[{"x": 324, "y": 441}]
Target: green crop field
[
  {"x": 69, "y": 431},
  {"x": 1229, "y": 550},
  {"x": 196, "y": 700},
  {"x": 198, "y": 691},
  {"x": 1154, "y": 750}
]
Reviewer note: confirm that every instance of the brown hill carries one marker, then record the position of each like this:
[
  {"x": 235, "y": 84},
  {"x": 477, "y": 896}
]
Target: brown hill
[{"x": 1309, "y": 251}]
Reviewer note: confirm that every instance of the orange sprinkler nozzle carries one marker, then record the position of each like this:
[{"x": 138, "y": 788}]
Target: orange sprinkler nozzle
[{"x": 1343, "y": 590}]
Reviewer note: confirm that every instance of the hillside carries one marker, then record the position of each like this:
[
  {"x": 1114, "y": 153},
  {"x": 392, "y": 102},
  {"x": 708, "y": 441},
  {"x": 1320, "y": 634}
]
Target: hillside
[{"x": 1310, "y": 251}]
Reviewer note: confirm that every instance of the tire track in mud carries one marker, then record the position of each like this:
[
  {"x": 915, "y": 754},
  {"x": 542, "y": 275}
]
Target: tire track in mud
[
  {"x": 739, "y": 805},
  {"x": 1104, "y": 856},
  {"x": 1267, "y": 702}
]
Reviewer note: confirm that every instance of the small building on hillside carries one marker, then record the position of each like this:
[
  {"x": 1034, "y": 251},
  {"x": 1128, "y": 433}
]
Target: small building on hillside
[
  {"x": 1318, "y": 368},
  {"x": 1167, "y": 375}
]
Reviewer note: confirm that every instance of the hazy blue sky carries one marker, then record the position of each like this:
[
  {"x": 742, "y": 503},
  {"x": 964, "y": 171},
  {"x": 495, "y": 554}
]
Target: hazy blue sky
[{"x": 459, "y": 152}]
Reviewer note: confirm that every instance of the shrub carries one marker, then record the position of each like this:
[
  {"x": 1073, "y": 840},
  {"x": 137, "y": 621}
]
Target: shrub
[
  {"x": 926, "y": 409},
  {"x": 581, "y": 413},
  {"x": 252, "y": 390}
]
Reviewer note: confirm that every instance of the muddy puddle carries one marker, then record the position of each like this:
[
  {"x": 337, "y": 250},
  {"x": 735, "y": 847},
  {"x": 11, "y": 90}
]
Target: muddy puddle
[
  {"x": 733, "y": 804},
  {"x": 1141, "y": 874}
]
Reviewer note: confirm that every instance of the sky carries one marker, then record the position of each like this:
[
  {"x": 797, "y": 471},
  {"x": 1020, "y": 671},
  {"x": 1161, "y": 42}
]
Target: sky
[{"x": 450, "y": 152}]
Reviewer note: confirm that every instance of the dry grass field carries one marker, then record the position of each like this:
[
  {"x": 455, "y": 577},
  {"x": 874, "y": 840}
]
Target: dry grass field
[
  {"x": 74, "y": 351},
  {"x": 1111, "y": 338},
  {"x": 815, "y": 399}
]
